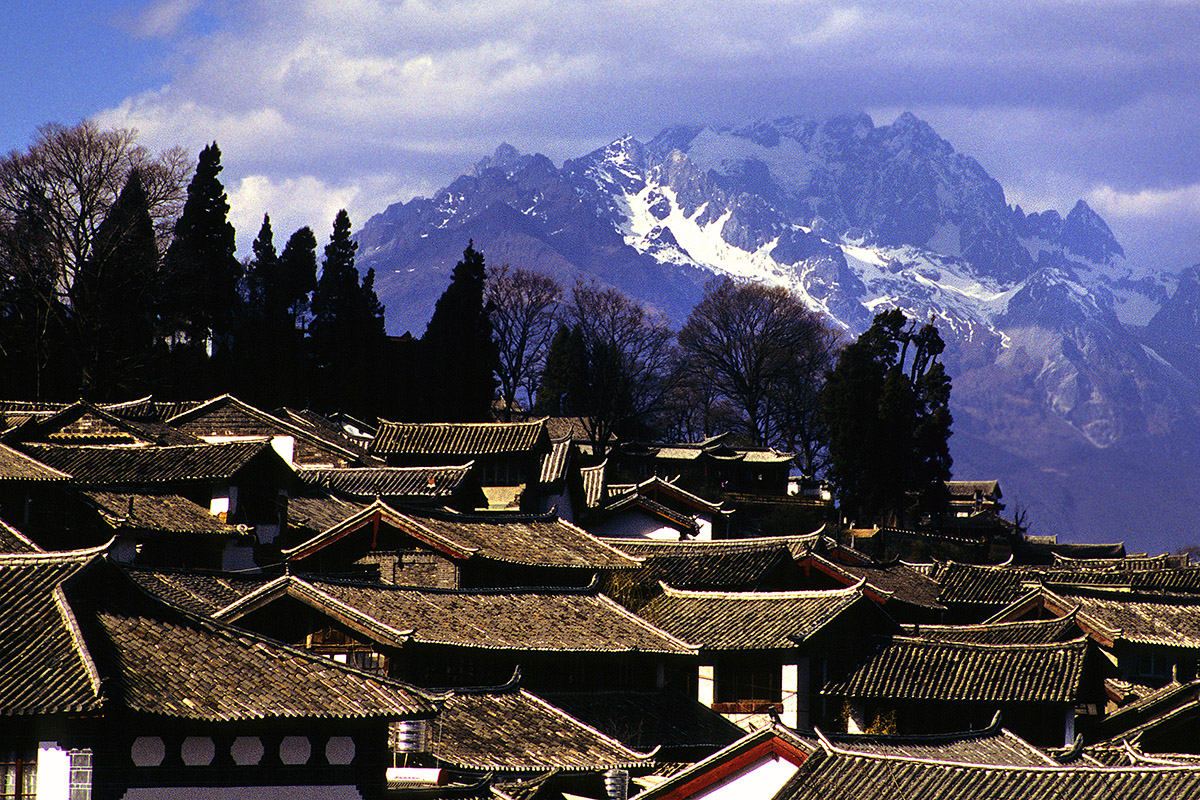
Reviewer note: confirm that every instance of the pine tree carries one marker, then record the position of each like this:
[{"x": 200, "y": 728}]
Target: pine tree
[
  {"x": 37, "y": 358},
  {"x": 204, "y": 274},
  {"x": 116, "y": 300},
  {"x": 346, "y": 335},
  {"x": 297, "y": 278},
  {"x": 262, "y": 269},
  {"x": 458, "y": 352},
  {"x": 889, "y": 423}
]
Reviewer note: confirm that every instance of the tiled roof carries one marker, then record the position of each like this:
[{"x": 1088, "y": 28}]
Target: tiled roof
[
  {"x": 515, "y": 731},
  {"x": 30, "y": 407},
  {"x": 892, "y": 580},
  {"x": 13, "y": 541},
  {"x": 920, "y": 669},
  {"x": 84, "y": 423},
  {"x": 714, "y": 448},
  {"x": 991, "y": 745},
  {"x": 44, "y": 665},
  {"x": 1171, "y": 621},
  {"x": 969, "y": 488},
  {"x": 644, "y": 548},
  {"x": 414, "y": 483},
  {"x": 329, "y": 429},
  {"x": 720, "y": 565},
  {"x": 745, "y": 620},
  {"x": 997, "y": 586},
  {"x": 537, "y": 540},
  {"x": 656, "y": 486},
  {"x": 177, "y": 463},
  {"x": 491, "y": 619},
  {"x": 554, "y": 463},
  {"x": 1162, "y": 561},
  {"x": 457, "y": 438},
  {"x": 227, "y": 416},
  {"x": 311, "y": 512},
  {"x": 1042, "y": 631},
  {"x": 161, "y": 660},
  {"x": 982, "y": 585},
  {"x": 835, "y": 772},
  {"x": 16, "y": 466},
  {"x": 593, "y": 483},
  {"x": 200, "y": 592},
  {"x": 772, "y": 742},
  {"x": 644, "y": 720},
  {"x": 156, "y": 511},
  {"x": 685, "y": 523},
  {"x": 1169, "y": 704}
]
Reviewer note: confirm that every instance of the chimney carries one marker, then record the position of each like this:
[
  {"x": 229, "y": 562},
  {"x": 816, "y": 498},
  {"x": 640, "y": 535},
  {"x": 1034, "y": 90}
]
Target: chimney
[{"x": 616, "y": 784}]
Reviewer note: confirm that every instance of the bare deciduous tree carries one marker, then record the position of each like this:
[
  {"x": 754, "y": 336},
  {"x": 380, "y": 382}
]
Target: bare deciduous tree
[
  {"x": 619, "y": 364},
  {"x": 77, "y": 174},
  {"x": 766, "y": 353},
  {"x": 524, "y": 313}
]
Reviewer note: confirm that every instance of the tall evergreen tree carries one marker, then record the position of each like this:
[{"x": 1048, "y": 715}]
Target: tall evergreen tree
[
  {"x": 458, "y": 352},
  {"x": 36, "y": 359},
  {"x": 203, "y": 272},
  {"x": 888, "y": 422},
  {"x": 116, "y": 300},
  {"x": 262, "y": 269},
  {"x": 291, "y": 296},
  {"x": 346, "y": 335}
]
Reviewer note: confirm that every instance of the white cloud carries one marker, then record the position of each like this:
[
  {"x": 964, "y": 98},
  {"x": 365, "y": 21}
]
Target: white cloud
[
  {"x": 1183, "y": 201},
  {"x": 1053, "y": 98},
  {"x": 162, "y": 19},
  {"x": 295, "y": 202}
]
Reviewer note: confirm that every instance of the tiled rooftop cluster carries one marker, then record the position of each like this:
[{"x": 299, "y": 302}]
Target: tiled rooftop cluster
[{"x": 504, "y": 610}]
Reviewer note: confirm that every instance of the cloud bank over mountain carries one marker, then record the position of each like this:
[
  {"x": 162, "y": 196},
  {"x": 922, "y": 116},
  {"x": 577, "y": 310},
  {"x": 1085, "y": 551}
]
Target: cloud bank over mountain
[{"x": 377, "y": 99}]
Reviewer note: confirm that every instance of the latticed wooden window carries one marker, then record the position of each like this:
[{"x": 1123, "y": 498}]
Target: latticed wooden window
[
  {"x": 18, "y": 775},
  {"x": 80, "y": 787}
]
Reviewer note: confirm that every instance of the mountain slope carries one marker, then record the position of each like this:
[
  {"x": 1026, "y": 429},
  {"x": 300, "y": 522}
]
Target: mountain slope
[{"x": 1063, "y": 372}]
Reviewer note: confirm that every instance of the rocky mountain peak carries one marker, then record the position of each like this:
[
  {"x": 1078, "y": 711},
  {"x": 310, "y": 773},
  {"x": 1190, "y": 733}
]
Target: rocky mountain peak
[
  {"x": 506, "y": 159},
  {"x": 1086, "y": 234}
]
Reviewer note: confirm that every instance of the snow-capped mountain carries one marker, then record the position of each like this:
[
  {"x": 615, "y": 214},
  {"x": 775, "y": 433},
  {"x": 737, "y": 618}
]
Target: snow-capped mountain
[{"x": 1061, "y": 354}]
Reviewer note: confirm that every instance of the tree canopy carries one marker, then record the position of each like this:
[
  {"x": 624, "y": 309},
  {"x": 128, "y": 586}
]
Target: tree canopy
[
  {"x": 524, "y": 313},
  {"x": 763, "y": 352},
  {"x": 611, "y": 363},
  {"x": 457, "y": 351},
  {"x": 347, "y": 333},
  {"x": 886, "y": 407}
]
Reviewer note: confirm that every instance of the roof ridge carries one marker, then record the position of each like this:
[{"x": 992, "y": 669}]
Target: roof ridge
[
  {"x": 640, "y": 620},
  {"x": 78, "y": 642},
  {"x": 365, "y": 583},
  {"x": 50, "y": 556},
  {"x": 791, "y": 594},
  {"x": 971, "y": 765},
  {"x": 522, "y": 423},
  {"x": 903, "y": 639},
  {"x": 638, "y": 756}
]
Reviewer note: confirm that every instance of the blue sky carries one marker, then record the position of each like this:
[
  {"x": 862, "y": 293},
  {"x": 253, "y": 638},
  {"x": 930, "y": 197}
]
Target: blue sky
[{"x": 323, "y": 104}]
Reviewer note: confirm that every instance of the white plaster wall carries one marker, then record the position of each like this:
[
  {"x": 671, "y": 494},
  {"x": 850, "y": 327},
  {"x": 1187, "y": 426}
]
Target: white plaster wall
[
  {"x": 760, "y": 780},
  {"x": 285, "y": 446},
  {"x": 706, "y": 685},
  {"x": 635, "y": 526},
  {"x": 53, "y": 772},
  {"x": 789, "y": 685}
]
